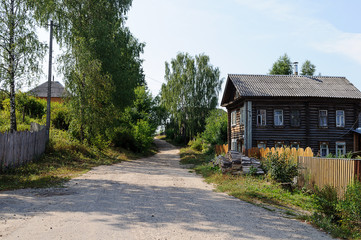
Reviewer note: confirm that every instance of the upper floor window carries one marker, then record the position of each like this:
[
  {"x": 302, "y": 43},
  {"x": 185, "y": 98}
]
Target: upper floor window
[
  {"x": 233, "y": 118},
  {"x": 340, "y": 149},
  {"x": 340, "y": 118},
  {"x": 322, "y": 118},
  {"x": 241, "y": 115},
  {"x": 278, "y": 117},
  {"x": 295, "y": 118},
  {"x": 261, "y": 117},
  {"x": 324, "y": 149}
]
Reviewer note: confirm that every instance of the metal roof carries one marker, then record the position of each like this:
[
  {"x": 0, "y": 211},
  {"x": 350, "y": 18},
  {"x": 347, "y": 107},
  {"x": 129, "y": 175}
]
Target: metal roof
[
  {"x": 293, "y": 86},
  {"x": 57, "y": 90}
]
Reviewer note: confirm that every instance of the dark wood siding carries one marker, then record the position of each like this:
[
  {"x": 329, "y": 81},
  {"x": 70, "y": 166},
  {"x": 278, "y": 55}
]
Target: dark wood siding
[{"x": 308, "y": 133}]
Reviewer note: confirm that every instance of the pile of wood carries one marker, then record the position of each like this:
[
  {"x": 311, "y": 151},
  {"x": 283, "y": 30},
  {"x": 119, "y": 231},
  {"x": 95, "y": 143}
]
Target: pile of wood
[{"x": 236, "y": 163}]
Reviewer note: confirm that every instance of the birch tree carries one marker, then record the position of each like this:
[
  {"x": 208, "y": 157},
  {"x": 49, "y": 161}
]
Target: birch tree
[
  {"x": 191, "y": 91},
  {"x": 20, "y": 49}
]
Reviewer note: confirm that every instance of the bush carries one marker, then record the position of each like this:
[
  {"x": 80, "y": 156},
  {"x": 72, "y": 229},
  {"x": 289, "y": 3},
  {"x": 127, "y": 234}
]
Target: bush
[
  {"x": 60, "y": 116},
  {"x": 280, "y": 168},
  {"x": 196, "y": 144},
  {"x": 325, "y": 201},
  {"x": 143, "y": 135},
  {"x": 123, "y": 137},
  {"x": 350, "y": 207}
]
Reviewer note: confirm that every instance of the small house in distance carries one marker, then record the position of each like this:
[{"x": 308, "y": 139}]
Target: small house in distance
[
  {"x": 41, "y": 91},
  {"x": 298, "y": 111}
]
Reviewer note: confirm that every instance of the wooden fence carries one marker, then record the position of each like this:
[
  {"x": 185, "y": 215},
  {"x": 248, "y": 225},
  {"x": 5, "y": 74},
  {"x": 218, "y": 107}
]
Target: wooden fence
[
  {"x": 220, "y": 149},
  {"x": 262, "y": 153},
  {"x": 19, "y": 148},
  {"x": 336, "y": 172}
]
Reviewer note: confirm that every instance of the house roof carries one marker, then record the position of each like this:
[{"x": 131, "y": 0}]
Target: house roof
[
  {"x": 290, "y": 86},
  {"x": 57, "y": 90}
]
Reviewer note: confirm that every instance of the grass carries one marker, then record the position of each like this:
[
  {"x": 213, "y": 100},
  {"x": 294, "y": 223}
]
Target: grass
[
  {"x": 64, "y": 159},
  {"x": 261, "y": 191}
]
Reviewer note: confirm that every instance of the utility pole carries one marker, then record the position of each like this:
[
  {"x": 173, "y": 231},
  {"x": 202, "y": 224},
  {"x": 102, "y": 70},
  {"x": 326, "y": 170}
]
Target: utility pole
[{"x": 49, "y": 80}]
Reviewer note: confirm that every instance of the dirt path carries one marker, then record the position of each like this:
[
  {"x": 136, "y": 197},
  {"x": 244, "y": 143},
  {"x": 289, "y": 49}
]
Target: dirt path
[{"x": 152, "y": 198}]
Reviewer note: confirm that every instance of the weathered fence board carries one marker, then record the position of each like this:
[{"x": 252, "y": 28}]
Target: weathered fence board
[
  {"x": 336, "y": 172},
  {"x": 19, "y": 148},
  {"x": 221, "y": 149}
]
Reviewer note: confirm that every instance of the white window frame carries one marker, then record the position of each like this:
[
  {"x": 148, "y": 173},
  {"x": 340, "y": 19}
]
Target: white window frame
[
  {"x": 321, "y": 123},
  {"x": 279, "y": 144},
  {"x": 324, "y": 145},
  {"x": 261, "y": 117},
  {"x": 278, "y": 117},
  {"x": 340, "y": 148},
  {"x": 295, "y": 145},
  {"x": 261, "y": 144},
  {"x": 234, "y": 144},
  {"x": 233, "y": 118},
  {"x": 340, "y": 119},
  {"x": 241, "y": 115}
]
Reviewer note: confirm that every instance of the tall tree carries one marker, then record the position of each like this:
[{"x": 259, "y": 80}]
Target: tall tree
[
  {"x": 308, "y": 68},
  {"x": 93, "y": 31},
  {"x": 20, "y": 49},
  {"x": 282, "y": 66},
  {"x": 191, "y": 92}
]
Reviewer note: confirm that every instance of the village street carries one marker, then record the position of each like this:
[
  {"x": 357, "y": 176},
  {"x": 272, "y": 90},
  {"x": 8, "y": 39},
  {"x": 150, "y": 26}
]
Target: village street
[{"x": 152, "y": 198}]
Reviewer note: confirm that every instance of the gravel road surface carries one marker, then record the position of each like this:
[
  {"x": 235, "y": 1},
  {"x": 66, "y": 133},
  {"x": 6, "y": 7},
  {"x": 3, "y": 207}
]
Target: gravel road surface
[{"x": 151, "y": 198}]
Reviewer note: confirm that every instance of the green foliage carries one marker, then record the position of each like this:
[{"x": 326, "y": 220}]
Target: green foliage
[
  {"x": 326, "y": 201},
  {"x": 216, "y": 127},
  {"x": 280, "y": 168},
  {"x": 282, "y": 66},
  {"x": 350, "y": 207},
  {"x": 60, "y": 116},
  {"x": 143, "y": 135},
  {"x": 190, "y": 93},
  {"x": 196, "y": 144},
  {"x": 30, "y": 106},
  {"x": 308, "y": 68}
]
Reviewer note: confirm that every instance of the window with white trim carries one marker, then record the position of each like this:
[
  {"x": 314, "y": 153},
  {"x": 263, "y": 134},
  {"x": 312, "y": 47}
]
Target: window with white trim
[
  {"x": 340, "y": 118},
  {"x": 233, "y": 118},
  {"x": 234, "y": 145},
  {"x": 295, "y": 145},
  {"x": 278, "y": 117},
  {"x": 261, "y": 144},
  {"x": 324, "y": 149},
  {"x": 261, "y": 117},
  {"x": 278, "y": 144},
  {"x": 322, "y": 118},
  {"x": 340, "y": 149},
  {"x": 241, "y": 115}
]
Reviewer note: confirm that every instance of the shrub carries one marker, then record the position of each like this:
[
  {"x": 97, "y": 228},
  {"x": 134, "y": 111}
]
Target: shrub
[
  {"x": 325, "y": 201},
  {"x": 123, "y": 137},
  {"x": 142, "y": 133},
  {"x": 196, "y": 144},
  {"x": 60, "y": 116},
  {"x": 350, "y": 207},
  {"x": 281, "y": 168}
]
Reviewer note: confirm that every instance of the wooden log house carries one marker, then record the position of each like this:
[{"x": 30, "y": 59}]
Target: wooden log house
[{"x": 291, "y": 110}]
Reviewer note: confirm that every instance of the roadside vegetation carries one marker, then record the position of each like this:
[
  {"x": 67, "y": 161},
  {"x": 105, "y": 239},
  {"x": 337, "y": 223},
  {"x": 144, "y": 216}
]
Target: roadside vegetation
[{"x": 340, "y": 217}]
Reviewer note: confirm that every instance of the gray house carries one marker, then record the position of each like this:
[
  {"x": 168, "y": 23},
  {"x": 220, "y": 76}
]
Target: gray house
[{"x": 298, "y": 111}]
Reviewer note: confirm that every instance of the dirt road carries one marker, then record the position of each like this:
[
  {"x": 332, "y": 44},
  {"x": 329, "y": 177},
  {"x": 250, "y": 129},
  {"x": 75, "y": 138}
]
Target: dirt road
[{"x": 152, "y": 198}]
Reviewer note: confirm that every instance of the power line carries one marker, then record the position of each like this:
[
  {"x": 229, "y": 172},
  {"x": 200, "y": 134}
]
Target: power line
[{"x": 153, "y": 79}]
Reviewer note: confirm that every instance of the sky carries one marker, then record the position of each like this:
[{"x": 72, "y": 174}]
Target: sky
[{"x": 247, "y": 36}]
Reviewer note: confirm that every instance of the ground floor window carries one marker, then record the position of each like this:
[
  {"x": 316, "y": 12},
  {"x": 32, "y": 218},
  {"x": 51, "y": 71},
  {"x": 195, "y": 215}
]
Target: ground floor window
[
  {"x": 295, "y": 145},
  {"x": 278, "y": 144},
  {"x": 324, "y": 149},
  {"x": 261, "y": 144},
  {"x": 340, "y": 149}
]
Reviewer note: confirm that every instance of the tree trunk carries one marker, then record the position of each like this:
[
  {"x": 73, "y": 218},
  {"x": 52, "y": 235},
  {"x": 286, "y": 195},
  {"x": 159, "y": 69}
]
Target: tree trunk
[{"x": 13, "y": 126}]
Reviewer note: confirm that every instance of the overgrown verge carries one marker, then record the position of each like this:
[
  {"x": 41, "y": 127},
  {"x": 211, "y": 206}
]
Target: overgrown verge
[
  {"x": 65, "y": 158},
  {"x": 340, "y": 218}
]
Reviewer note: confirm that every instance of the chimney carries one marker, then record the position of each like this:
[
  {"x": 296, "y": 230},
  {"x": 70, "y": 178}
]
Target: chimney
[{"x": 296, "y": 67}]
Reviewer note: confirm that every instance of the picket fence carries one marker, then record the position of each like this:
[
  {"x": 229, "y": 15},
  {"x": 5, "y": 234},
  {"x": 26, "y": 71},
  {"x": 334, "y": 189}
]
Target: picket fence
[
  {"x": 19, "y": 148},
  {"x": 337, "y": 172}
]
